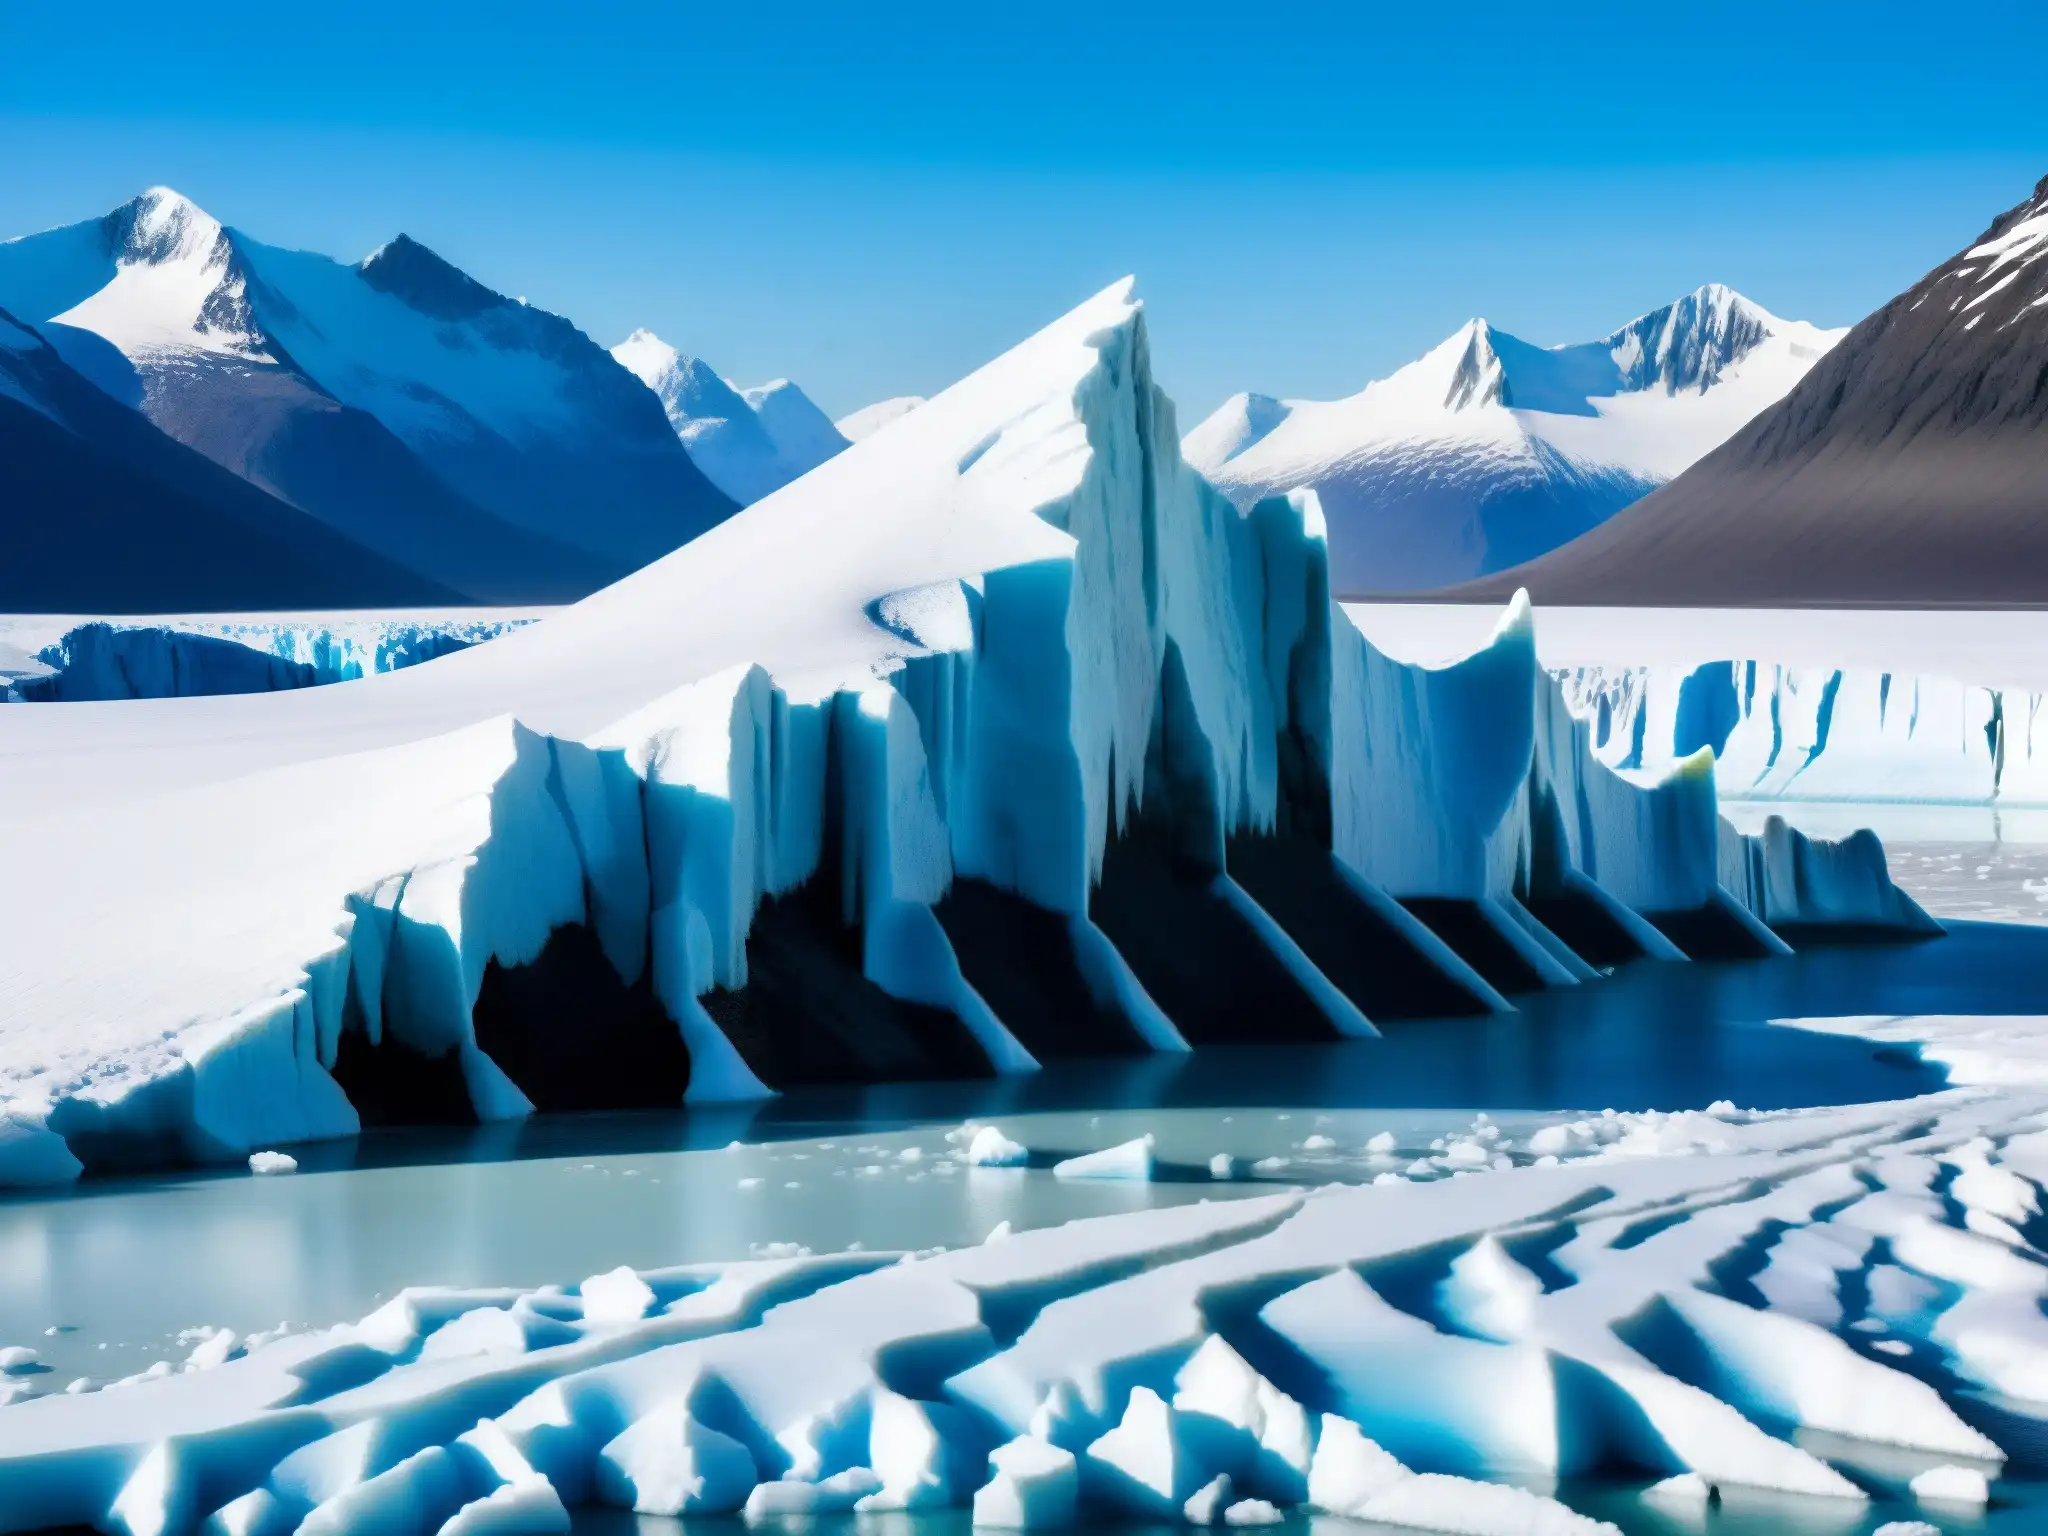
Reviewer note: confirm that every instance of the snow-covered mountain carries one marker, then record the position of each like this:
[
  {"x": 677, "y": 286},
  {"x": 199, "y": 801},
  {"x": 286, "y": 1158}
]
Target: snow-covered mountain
[
  {"x": 103, "y": 513},
  {"x": 486, "y": 444},
  {"x": 1908, "y": 469},
  {"x": 870, "y": 419},
  {"x": 749, "y": 442},
  {"x": 1488, "y": 451}
]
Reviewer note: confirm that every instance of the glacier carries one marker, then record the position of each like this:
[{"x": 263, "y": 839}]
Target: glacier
[
  {"x": 951, "y": 792},
  {"x": 182, "y": 655}
]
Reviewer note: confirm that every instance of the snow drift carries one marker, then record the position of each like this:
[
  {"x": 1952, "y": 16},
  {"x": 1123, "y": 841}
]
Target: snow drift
[{"x": 1035, "y": 708}]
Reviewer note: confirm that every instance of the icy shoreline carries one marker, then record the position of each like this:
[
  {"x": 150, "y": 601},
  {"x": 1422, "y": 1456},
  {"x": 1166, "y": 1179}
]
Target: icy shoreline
[{"x": 1660, "y": 1298}]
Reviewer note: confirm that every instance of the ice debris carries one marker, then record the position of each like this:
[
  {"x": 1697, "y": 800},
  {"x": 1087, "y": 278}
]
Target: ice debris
[{"x": 1128, "y": 1160}]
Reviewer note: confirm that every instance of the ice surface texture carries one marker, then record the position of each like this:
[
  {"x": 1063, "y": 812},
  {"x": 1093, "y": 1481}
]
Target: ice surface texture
[
  {"x": 1009, "y": 655},
  {"x": 1701, "y": 1302}
]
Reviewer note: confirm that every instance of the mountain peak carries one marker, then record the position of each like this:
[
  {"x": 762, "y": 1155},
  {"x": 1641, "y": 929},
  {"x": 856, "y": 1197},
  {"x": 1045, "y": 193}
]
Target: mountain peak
[
  {"x": 424, "y": 281},
  {"x": 1689, "y": 343},
  {"x": 162, "y": 226},
  {"x": 1478, "y": 377}
]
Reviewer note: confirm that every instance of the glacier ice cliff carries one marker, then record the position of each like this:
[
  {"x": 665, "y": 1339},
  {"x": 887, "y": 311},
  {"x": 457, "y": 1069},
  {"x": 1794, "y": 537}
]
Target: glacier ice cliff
[
  {"x": 1782, "y": 731},
  {"x": 183, "y": 657},
  {"x": 1001, "y": 734}
]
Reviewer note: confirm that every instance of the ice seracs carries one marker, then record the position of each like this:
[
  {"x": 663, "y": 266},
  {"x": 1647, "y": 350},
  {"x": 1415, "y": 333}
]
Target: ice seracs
[
  {"x": 1042, "y": 745},
  {"x": 750, "y": 442},
  {"x": 1489, "y": 451}
]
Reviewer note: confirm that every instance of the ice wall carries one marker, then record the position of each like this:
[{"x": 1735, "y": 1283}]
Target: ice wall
[
  {"x": 1804, "y": 733},
  {"x": 184, "y": 658},
  {"x": 992, "y": 772}
]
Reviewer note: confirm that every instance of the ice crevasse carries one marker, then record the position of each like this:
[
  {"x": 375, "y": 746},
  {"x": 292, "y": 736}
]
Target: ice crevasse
[{"x": 930, "y": 762}]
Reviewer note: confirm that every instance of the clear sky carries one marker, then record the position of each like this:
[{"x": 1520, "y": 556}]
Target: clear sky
[{"x": 872, "y": 199}]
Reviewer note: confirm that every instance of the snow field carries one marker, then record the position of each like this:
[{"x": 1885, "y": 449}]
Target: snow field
[
  {"x": 1024, "y": 631},
  {"x": 1196, "y": 1364}
]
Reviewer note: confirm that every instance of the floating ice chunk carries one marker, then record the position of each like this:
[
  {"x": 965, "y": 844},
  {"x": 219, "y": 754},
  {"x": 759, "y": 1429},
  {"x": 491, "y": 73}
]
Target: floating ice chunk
[
  {"x": 273, "y": 1162},
  {"x": 668, "y": 1463},
  {"x": 1907, "y": 1528},
  {"x": 1349, "y": 1471},
  {"x": 1036, "y": 1487},
  {"x": 1319, "y": 1143},
  {"x": 1252, "y": 1512},
  {"x": 1951, "y": 1484},
  {"x": 1551, "y": 1141},
  {"x": 990, "y": 1148},
  {"x": 1275, "y": 1164},
  {"x": 1221, "y": 1166},
  {"x": 756, "y": 1183},
  {"x": 213, "y": 1348},
  {"x": 1687, "y": 1490},
  {"x": 18, "y": 1360},
  {"x": 1382, "y": 1144},
  {"x": 1206, "y": 1504},
  {"x": 1128, "y": 1160},
  {"x": 616, "y": 1296},
  {"x": 841, "y": 1491},
  {"x": 999, "y": 1231}
]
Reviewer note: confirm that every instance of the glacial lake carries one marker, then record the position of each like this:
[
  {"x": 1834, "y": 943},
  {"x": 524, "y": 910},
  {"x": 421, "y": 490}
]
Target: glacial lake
[{"x": 120, "y": 1267}]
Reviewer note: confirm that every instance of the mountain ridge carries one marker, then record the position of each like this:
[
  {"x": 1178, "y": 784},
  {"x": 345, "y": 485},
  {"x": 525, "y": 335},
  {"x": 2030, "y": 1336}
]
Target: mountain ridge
[
  {"x": 1908, "y": 468},
  {"x": 1488, "y": 450},
  {"x": 489, "y": 445}
]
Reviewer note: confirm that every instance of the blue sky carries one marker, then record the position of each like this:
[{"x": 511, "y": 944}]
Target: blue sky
[{"x": 873, "y": 200}]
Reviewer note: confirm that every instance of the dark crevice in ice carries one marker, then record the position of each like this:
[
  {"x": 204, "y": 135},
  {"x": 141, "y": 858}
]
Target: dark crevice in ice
[
  {"x": 808, "y": 1015},
  {"x": 1196, "y": 954},
  {"x": 1364, "y": 954},
  {"x": 1020, "y": 957},
  {"x": 1164, "y": 899},
  {"x": 392, "y": 1083},
  {"x": 1476, "y": 941},
  {"x": 1709, "y": 933},
  {"x": 573, "y": 1036},
  {"x": 1587, "y": 927}
]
